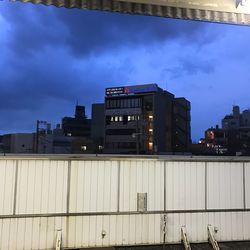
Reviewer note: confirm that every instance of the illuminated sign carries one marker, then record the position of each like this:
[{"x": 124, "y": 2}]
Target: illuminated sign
[
  {"x": 114, "y": 91},
  {"x": 130, "y": 90}
]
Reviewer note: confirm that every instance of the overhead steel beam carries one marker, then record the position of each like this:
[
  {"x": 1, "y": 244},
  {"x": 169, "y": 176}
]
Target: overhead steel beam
[{"x": 221, "y": 11}]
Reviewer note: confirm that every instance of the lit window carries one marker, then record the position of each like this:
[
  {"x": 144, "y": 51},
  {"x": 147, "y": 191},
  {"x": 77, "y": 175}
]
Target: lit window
[
  {"x": 69, "y": 134},
  {"x": 150, "y": 117},
  {"x": 112, "y": 118},
  {"x": 116, "y": 118},
  {"x": 84, "y": 148},
  {"x": 150, "y": 131},
  {"x": 120, "y": 118},
  {"x": 131, "y": 118},
  {"x": 100, "y": 147},
  {"x": 150, "y": 145}
]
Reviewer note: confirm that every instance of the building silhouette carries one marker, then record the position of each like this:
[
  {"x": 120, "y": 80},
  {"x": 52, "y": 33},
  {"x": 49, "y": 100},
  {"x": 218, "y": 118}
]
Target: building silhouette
[
  {"x": 78, "y": 125},
  {"x": 232, "y": 138}
]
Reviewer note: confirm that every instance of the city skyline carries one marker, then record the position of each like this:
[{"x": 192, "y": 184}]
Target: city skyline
[{"x": 52, "y": 57}]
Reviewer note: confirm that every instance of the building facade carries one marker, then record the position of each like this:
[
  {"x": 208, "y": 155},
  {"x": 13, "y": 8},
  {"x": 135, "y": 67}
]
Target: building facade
[
  {"x": 234, "y": 136},
  {"x": 140, "y": 119},
  {"x": 97, "y": 126}
]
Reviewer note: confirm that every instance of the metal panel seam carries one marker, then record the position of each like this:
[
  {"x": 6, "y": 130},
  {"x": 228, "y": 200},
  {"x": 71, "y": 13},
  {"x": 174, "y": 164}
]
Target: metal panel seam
[
  {"x": 68, "y": 186},
  {"x": 15, "y": 188},
  {"x": 244, "y": 185},
  {"x": 118, "y": 182},
  {"x": 205, "y": 185},
  {"x": 165, "y": 191}
]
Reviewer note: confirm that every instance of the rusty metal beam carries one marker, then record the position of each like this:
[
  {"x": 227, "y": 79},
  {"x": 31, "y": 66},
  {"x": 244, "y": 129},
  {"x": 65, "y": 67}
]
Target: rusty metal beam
[{"x": 221, "y": 11}]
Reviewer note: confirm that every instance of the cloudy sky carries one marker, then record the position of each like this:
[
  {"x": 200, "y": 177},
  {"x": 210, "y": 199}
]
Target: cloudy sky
[{"x": 51, "y": 57}]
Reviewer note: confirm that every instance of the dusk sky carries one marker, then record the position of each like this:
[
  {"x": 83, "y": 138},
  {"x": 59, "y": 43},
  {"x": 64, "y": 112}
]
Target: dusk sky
[{"x": 51, "y": 57}]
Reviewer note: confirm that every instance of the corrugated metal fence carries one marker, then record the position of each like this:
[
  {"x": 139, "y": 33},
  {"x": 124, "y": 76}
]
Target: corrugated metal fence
[{"x": 107, "y": 201}]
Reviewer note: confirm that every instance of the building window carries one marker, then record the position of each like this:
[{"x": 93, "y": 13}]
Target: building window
[
  {"x": 84, "y": 148},
  {"x": 150, "y": 145},
  {"x": 120, "y": 118},
  {"x": 150, "y": 117}
]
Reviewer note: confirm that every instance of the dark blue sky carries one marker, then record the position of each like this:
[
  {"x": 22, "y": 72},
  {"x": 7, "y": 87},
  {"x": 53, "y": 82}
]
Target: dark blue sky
[{"x": 51, "y": 57}]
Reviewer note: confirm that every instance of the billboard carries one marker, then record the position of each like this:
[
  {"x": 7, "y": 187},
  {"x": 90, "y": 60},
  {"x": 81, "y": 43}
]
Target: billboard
[{"x": 131, "y": 90}]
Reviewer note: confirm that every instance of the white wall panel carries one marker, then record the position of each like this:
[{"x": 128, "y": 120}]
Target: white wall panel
[
  {"x": 185, "y": 185},
  {"x": 86, "y": 231},
  {"x": 231, "y": 226},
  {"x": 247, "y": 184},
  {"x": 41, "y": 187},
  {"x": 94, "y": 186},
  {"x": 141, "y": 176},
  {"x": 30, "y": 233},
  {"x": 225, "y": 185},
  {"x": 119, "y": 229},
  {"x": 7, "y": 183}
]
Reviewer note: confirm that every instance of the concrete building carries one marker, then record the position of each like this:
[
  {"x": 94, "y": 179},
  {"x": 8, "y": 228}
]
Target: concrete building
[
  {"x": 181, "y": 119},
  {"x": 236, "y": 119},
  {"x": 98, "y": 125},
  {"x": 234, "y": 136},
  {"x": 232, "y": 121},
  {"x": 78, "y": 125},
  {"x": 19, "y": 143},
  {"x": 140, "y": 119}
]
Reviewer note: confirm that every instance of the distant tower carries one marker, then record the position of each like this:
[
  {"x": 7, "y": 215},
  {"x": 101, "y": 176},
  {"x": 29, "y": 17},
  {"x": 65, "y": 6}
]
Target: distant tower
[
  {"x": 80, "y": 112},
  {"x": 236, "y": 111}
]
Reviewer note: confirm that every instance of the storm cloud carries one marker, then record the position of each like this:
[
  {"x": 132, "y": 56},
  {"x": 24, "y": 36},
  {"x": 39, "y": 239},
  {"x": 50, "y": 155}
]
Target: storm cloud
[{"x": 50, "y": 58}]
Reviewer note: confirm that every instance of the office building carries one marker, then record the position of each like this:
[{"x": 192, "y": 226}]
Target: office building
[
  {"x": 143, "y": 119},
  {"x": 182, "y": 128}
]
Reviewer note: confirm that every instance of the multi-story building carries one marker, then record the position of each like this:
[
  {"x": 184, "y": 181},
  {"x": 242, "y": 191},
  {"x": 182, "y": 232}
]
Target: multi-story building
[
  {"x": 78, "y": 125},
  {"x": 234, "y": 136},
  {"x": 140, "y": 119},
  {"x": 19, "y": 143},
  {"x": 97, "y": 126},
  {"x": 236, "y": 120},
  {"x": 182, "y": 129}
]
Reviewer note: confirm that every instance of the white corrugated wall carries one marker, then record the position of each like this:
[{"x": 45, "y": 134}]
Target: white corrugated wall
[{"x": 94, "y": 201}]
